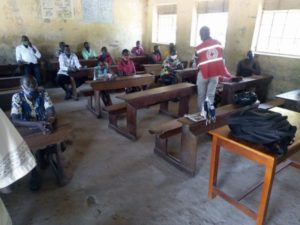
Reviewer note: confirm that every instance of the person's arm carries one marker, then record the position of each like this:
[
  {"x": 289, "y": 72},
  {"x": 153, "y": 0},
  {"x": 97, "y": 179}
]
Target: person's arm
[
  {"x": 76, "y": 61},
  {"x": 133, "y": 68},
  {"x": 51, "y": 116},
  {"x": 238, "y": 69},
  {"x": 35, "y": 51},
  {"x": 256, "y": 68},
  {"x": 19, "y": 56},
  {"x": 94, "y": 55}
]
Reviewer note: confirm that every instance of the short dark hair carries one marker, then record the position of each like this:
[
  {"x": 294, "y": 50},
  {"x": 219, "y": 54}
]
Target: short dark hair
[{"x": 125, "y": 51}]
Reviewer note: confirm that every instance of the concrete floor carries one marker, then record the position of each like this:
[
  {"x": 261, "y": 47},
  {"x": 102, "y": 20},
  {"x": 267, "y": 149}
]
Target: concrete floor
[{"x": 115, "y": 181}]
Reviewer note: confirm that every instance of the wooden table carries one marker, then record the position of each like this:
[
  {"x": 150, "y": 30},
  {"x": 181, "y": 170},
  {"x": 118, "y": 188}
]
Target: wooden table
[
  {"x": 83, "y": 73},
  {"x": 162, "y": 96},
  {"x": 256, "y": 153},
  {"x": 154, "y": 69},
  {"x": 37, "y": 140},
  {"x": 115, "y": 84},
  {"x": 292, "y": 99},
  {"x": 187, "y": 75},
  {"x": 139, "y": 61},
  {"x": 259, "y": 83}
]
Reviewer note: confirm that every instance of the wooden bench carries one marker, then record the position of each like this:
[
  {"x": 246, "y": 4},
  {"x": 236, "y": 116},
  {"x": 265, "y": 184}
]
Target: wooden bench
[
  {"x": 9, "y": 83},
  {"x": 113, "y": 113},
  {"x": 10, "y": 70},
  {"x": 187, "y": 75},
  {"x": 186, "y": 157},
  {"x": 162, "y": 96}
]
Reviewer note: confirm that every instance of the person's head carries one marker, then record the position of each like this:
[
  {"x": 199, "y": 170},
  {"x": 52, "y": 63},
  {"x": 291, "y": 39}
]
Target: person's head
[
  {"x": 25, "y": 40},
  {"x": 204, "y": 33},
  {"x": 104, "y": 50},
  {"x": 125, "y": 54},
  {"x": 67, "y": 50},
  {"x": 62, "y": 45},
  {"x": 86, "y": 45},
  {"x": 138, "y": 44},
  {"x": 172, "y": 47},
  {"x": 29, "y": 86},
  {"x": 156, "y": 49},
  {"x": 250, "y": 55}
]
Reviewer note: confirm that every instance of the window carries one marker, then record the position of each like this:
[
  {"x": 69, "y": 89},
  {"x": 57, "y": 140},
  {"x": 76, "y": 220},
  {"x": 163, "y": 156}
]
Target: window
[
  {"x": 279, "y": 33},
  {"x": 164, "y": 24},
  {"x": 217, "y": 23},
  {"x": 278, "y": 30}
]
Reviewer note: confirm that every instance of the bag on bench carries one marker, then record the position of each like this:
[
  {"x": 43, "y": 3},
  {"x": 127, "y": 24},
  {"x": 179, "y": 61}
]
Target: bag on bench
[{"x": 265, "y": 127}]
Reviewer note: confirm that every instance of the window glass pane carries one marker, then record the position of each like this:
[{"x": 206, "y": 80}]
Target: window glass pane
[
  {"x": 166, "y": 31},
  {"x": 279, "y": 32},
  {"x": 217, "y": 23}
]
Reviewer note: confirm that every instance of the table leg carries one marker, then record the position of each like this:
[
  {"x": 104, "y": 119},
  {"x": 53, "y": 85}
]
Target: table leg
[
  {"x": 266, "y": 191},
  {"x": 214, "y": 163},
  {"x": 131, "y": 120},
  {"x": 183, "y": 107},
  {"x": 164, "y": 106},
  {"x": 97, "y": 104}
]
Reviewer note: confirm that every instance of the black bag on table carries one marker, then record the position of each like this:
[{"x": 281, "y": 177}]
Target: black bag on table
[
  {"x": 265, "y": 127},
  {"x": 245, "y": 98}
]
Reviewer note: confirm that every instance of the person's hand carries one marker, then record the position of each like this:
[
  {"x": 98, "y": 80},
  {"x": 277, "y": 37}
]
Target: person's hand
[{"x": 45, "y": 127}]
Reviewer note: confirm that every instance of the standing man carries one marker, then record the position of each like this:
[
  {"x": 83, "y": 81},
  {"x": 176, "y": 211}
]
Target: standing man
[
  {"x": 211, "y": 65},
  {"x": 87, "y": 52},
  {"x": 68, "y": 62},
  {"x": 28, "y": 56}
]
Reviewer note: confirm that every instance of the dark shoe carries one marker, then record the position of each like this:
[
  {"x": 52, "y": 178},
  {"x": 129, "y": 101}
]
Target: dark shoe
[
  {"x": 35, "y": 181},
  {"x": 68, "y": 95}
]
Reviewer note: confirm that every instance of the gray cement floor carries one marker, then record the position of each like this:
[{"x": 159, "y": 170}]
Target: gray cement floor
[{"x": 115, "y": 181}]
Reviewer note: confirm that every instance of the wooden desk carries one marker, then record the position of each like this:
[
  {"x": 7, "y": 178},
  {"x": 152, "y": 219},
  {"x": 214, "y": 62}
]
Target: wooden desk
[
  {"x": 162, "y": 96},
  {"x": 292, "y": 99},
  {"x": 115, "y": 84},
  {"x": 187, "y": 75},
  {"x": 139, "y": 61},
  {"x": 8, "y": 83},
  {"x": 83, "y": 73},
  {"x": 154, "y": 69},
  {"x": 259, "y": 83},
  {"x": 256, "y": 153},
  {"x": 37, "y": 140}
]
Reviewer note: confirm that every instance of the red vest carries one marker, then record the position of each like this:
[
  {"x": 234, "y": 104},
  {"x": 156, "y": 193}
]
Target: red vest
[{"x": 210, "y": 59}]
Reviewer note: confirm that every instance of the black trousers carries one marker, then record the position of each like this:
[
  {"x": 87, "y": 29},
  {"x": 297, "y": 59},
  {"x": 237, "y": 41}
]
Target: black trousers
[{"x": 33, "y": 69}]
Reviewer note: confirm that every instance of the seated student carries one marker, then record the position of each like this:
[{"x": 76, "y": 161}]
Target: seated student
[
  {"x": 138, "y": 49},
  {"x": 87, "y": 52},
  {"x": 102, "y": 71},
  {"x": 156, "y": 55},
  {"x": 28, "y": 56},
  {"x": 126, "y": 66},
  {"x": 170, "y": 64},
  {"x": 60, "y": 49},
  {"x": 33, "y": 108},
  {"x": 68, "y": 62},
  {"x": 248, "y": 66},
  {"x": 106, "y": 56},
  {"x": 171, "y": 48}
]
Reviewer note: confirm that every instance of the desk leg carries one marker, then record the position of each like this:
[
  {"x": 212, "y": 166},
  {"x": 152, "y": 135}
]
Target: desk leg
[
  {"x": 214, "y": 163},
  {"x": 183, "y": 107},
  {"x": 131, "y": 120},
  {"x": 164, "y": 106},
  {"x": 97, "y": 104},
  {"x": 266, "y": 191}
]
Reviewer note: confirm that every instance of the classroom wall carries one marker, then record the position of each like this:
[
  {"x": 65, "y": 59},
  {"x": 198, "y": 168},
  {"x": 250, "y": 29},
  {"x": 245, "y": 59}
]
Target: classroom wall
[
  {"x": 241, "y": 24},
  {"x": 18, "y": 18}
]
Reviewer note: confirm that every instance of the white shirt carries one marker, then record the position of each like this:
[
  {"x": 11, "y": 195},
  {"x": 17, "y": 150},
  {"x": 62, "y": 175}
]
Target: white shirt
[
  {"x": 27, "y": 55},
  {"x": 66, "y": 63}
]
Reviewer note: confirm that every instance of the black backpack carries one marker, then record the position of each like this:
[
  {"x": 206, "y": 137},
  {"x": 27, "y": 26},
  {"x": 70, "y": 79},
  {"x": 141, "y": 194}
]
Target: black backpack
[{"x": 265, "y": 127}]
